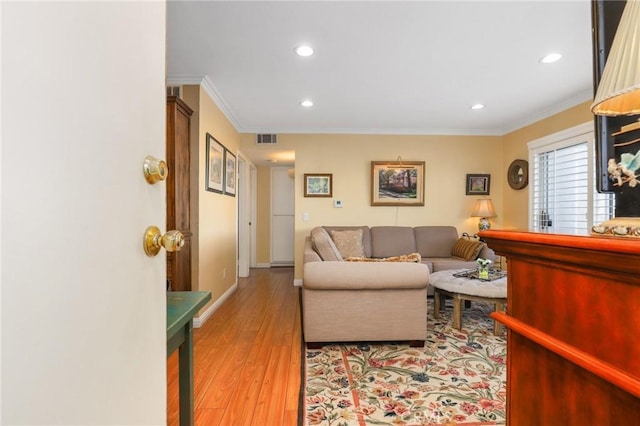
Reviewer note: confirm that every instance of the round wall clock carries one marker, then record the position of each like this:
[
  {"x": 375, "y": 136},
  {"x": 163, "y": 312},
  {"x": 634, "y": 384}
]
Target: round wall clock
[{"x": 518, "y": 174}]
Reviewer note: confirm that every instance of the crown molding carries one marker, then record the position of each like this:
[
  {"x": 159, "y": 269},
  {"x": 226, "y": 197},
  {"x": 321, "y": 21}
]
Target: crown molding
[
  {"x": 546, "y": 113},
  {"x": 210, "y": 89},
  {"x": 378, "y": 131}
]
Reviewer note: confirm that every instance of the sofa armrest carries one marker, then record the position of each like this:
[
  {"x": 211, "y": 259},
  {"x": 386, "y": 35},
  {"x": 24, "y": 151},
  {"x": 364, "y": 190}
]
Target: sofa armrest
[
  {"x": 335, "y": 275},
  {"x": 310, "y": 254}
]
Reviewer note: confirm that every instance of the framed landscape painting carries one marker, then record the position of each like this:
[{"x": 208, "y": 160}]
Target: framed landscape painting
[
  {"x": 229, "y": 173},
  {"x": 318, "y": 185},
  {"x": 397, "y": 183},
  {"x": 215, "y": 165},
  {"x": 478, "y": 184}
]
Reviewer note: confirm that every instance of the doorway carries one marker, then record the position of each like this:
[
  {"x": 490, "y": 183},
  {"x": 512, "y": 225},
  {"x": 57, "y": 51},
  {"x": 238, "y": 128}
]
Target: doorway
[
  {"x": 282, "y": 217},
  {"x": 246, "y": 216}
]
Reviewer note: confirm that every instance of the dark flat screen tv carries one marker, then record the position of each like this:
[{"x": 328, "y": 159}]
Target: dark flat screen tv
[{"x": 605, "y": 16}]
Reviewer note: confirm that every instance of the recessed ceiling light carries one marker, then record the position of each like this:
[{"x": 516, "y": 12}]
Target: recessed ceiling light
[
  {"x": 477, "y": 106},
  {"x": 550, "y": 58},
  {"x": 306, "y": 103},
  {"x": 304, "y": 50}
]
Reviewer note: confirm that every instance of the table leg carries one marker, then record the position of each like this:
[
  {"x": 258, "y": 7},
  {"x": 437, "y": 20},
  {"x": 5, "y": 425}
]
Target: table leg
[
  {"x": 185, "y": 366},
  {"x": 436, "y": 304},
  {"x": 497, "y": 327},
  {"x": 457, "y": 311}
]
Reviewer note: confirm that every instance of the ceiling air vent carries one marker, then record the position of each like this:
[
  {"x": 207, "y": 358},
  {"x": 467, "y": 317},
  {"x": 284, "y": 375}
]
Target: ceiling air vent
[{"x": 266, "y": 139}]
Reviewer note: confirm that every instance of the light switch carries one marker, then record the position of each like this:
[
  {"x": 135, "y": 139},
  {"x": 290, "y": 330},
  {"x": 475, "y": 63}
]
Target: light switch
[
  {"x": 337, "y": 204},
  {"x": 305, "y": 216}
]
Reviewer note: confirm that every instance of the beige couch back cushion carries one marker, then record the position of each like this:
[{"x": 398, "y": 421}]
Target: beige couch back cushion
[
  {"x": 387, "y": 241},
  {"x": 435, "y": 241},
  {"x": 366, "y": 235}
]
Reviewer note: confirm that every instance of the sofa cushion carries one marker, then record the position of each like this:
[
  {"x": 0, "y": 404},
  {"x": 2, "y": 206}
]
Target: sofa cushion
[
  {"x": 467, "y": 249},
  {"x": 366, "y": 236},
  {"x": 323, "y": 244},
  {"x": 435, "y": 241},
  {"x": 387, "y": 241},
  {"x": 364, "y": 276},
  {"x": 349, "y": 242}
]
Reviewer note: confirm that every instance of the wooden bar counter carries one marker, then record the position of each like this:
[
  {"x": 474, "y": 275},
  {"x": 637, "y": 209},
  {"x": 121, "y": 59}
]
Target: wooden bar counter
[{"x": 573, "y": 328}]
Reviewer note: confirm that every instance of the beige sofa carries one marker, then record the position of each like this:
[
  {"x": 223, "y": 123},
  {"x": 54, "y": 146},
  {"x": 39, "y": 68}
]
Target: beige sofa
[{"x": 350, "y": 294}]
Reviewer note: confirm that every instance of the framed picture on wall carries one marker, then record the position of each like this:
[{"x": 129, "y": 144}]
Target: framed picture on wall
[
  {"x": 229, "y": 173},
  {"x": 215, "y": 165},
  {"x": 478, "y": 184},
  {"x": 397, "y": 183},
  {"x": 318, "y": 185}
]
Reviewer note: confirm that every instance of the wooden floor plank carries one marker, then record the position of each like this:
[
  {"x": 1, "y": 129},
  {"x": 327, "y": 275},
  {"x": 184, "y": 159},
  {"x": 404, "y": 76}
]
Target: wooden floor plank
[
  {"x": 294, "y": 373},
  {"x": 208, "y": 416},
  {"x": 273, "y": 392},
  {"x": 247, "y": 356}
]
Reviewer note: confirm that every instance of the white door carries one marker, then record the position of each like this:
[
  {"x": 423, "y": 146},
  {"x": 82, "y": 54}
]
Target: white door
[
  {"x": 83, "y": 308},
  {"x": 282, "y": 217}
]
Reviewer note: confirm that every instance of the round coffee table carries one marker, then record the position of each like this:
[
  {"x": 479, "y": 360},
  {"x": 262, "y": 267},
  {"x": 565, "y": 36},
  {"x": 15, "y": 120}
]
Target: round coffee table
[{"x": 445, "y": 283}]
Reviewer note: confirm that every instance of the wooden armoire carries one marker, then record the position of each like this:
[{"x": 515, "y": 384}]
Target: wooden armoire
[
  {"x": 178, "y": 191},
  {"x": 573, "y": 321}
]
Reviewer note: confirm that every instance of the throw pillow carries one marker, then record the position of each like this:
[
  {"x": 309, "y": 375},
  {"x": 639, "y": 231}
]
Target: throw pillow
[
  {"x": 467, "y": 249},
  {"x": 412, "y": 257},
  {"x": 323, "y": 244},
  {"x": 349, "y": 243}
]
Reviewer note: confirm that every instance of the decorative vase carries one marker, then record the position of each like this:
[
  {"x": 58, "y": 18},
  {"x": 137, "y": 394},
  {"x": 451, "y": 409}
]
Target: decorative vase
[
  {"x": 483, "y": 272},
  {"x": 484, "y": 224},
  {"x": 483, "y": 268}
]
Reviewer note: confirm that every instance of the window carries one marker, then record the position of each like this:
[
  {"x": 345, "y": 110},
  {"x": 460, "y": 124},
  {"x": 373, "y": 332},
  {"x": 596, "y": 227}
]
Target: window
[{"x": 563, "y": 195}]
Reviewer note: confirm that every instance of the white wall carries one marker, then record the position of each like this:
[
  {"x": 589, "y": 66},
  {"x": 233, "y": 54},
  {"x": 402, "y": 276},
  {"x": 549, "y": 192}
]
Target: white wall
[{"x": 83, "y": 309}]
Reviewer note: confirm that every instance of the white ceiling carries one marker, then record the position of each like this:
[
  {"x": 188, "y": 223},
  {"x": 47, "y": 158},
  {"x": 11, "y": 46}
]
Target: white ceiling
[{"x": 383, "y": 67}]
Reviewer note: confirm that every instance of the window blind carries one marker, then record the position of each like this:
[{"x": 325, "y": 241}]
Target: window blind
[{"x": 563, "y": 195}]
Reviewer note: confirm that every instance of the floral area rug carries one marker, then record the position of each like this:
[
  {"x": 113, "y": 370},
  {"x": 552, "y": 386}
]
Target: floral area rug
[{"x": 458, "y": 378}]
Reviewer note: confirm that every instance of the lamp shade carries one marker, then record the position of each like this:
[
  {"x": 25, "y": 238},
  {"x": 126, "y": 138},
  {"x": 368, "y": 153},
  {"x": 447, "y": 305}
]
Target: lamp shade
[
  {"x": 483, "y": 208},
  {"x": 619, "y": 89}
]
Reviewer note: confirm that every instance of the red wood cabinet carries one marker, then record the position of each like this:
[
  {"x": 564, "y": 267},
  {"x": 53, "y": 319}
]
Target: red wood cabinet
[{"x": 573, "y": 328}]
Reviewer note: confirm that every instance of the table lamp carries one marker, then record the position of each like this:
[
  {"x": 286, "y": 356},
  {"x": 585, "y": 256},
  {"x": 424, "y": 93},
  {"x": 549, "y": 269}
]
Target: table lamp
[{"x": 483, "y": 209}]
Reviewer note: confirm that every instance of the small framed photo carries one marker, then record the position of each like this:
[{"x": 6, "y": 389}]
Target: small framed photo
[
  {"x": 397, "y": 183},
  {"x": 215, "y": 165},
  {"x": 478, "y": 184},
  {"x": 318, "y": 185},
  {"x": 229, "y": 173}
]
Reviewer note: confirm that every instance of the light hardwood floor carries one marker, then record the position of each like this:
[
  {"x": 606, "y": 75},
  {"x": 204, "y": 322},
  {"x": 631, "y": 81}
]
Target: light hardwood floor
[{"x": 247, "y": 356}]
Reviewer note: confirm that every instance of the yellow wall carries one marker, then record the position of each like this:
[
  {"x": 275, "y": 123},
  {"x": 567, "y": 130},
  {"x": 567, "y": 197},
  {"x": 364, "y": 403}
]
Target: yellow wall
[
  {"x": 448, "y": 159},
  {"x": 213, "y": 215},
  {"x": 348, "y": 157},
  {"x": 515, "y": 207}
]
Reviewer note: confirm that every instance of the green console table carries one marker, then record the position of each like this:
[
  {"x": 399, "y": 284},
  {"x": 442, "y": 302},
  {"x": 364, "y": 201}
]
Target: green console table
[{"x": 181, "y": 308}]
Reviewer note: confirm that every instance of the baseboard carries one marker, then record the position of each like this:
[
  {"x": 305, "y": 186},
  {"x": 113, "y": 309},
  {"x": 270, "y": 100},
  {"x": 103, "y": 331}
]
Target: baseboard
[
  {"x": 199, "y": 321},
  {"x": 297, "y": 282},
  {"x": 263, "y": 265}
]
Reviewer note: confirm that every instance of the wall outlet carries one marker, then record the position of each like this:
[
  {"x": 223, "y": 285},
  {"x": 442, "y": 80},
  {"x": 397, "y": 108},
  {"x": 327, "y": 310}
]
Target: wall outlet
[{"x": 337, "y": 204}]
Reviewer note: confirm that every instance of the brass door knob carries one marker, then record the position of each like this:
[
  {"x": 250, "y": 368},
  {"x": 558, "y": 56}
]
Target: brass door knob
[
  {"x": 154, "y": 169},
  {"x": 154, "y": 240}
]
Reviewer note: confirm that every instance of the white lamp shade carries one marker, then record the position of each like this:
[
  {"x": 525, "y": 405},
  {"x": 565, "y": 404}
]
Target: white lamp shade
[
  {"x": 483, "y": 208},
  {"x": 619, "y": 89}
]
